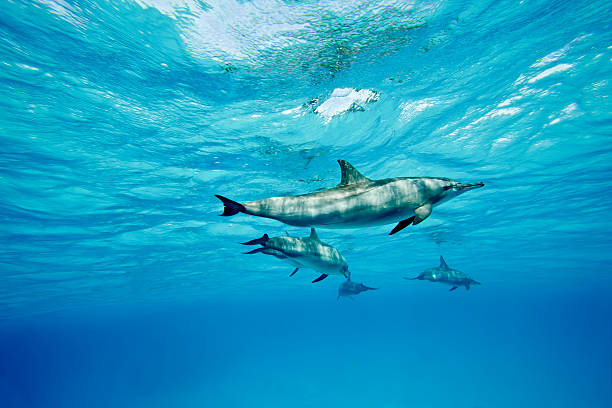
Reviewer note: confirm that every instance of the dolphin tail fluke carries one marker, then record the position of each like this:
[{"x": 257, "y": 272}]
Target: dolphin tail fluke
[
  {"x": 258, "y": 241},
  {"x": 293, "y": 273},
  {"x": 415, "y": 278},
  {"x": 230, "y": 207},
  {"x": 401, "y": 225},
  {"x": 255, "y": 251},
  {"x": 320, "y": 278}
]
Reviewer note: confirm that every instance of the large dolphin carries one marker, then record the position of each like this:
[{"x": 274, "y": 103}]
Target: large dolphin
[
  {"x": 349, "y": 288},
  {"x": 308, "y": 252},
  {"x": 444, "y": 274},
  {"x": 357, "y": 201}
]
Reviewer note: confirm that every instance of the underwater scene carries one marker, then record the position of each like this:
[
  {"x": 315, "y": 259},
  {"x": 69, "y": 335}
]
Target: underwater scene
[{"x": 305, "y": 203}]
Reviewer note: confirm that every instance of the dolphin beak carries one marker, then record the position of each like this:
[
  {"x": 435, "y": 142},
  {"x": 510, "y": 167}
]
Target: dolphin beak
[{"x": 471, "y": 186}]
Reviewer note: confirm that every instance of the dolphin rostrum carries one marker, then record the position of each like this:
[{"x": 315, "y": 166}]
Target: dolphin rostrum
[
  {"x": 444, "y": 274},
  {"x": 308, "y": 252},
  {"x": 349, "y": 288},
  {"x": 357, "y": 201}
]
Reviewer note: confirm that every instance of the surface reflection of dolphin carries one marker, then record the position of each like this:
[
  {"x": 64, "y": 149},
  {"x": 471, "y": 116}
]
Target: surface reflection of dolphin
[
  {"x": 348, "y": 288},
  {"x": 307, "y": 252},
  {"x": 444, "y": 274}
]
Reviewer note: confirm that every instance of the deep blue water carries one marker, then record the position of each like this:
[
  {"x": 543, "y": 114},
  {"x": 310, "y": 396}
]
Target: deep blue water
[{"x": 121, "y": 285}]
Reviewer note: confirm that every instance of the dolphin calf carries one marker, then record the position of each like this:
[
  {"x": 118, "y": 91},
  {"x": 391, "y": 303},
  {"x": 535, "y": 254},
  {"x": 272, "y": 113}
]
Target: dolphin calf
[
  {"x": 308, "y": 252},
  {"x": 444, "y": 274},
  {"x": 349, "y": 288},
  {"x": 357, "y": 201}
]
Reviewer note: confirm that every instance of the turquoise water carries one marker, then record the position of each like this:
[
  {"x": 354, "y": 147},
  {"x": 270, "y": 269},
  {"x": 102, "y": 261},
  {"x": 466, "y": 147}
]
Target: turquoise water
[{"x": 121, "y": 285}]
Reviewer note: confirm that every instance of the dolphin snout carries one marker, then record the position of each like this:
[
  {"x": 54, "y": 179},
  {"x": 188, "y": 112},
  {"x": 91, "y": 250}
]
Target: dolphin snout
[{"x": 471, "y": 186}]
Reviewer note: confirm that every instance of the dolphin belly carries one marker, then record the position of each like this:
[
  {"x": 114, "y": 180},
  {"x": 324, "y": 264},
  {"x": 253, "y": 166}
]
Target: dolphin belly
[
  {"x": 308, "y": 254},
  {"x": 322, "y": 264},
  {"x": 319, "y": 265}
]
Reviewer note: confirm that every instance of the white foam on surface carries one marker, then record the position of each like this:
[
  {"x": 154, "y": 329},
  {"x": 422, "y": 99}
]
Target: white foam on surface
[
  {"x": 241, "y": 32},
  {"x": 344, "y": 99}
]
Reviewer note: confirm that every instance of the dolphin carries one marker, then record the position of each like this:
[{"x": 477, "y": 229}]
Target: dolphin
[
  {"x": 357, "y": 201},
  {"x": 349, "y": 288},
  {"x": 308, "y": 252},
  {"x": 444, "y": 274}
]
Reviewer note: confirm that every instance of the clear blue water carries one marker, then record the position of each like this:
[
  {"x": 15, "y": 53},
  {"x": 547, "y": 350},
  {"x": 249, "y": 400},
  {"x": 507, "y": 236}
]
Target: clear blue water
[{"x": 122, "y": 287}]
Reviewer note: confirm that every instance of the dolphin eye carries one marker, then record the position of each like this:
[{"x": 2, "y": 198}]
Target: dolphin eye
[{"x": 447, "y": 187}]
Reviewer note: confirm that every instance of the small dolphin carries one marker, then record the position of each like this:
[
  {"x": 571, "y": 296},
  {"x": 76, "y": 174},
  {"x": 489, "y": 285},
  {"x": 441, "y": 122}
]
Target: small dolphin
[
  {"x": 308, "y": 252},
  {"x": 349, "y": 288},
  {"x": 444, "y": 274},
  {"x": 357, "y": 201}
]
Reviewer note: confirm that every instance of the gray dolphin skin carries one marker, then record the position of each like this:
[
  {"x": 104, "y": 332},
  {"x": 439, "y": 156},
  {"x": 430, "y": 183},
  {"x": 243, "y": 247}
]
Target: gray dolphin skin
[
  {"x": 446, "y": 275},
  {"x": 357, "y": 201},
  {"x": 348, "y": 288},
  {"x": 308, "y": 252}
]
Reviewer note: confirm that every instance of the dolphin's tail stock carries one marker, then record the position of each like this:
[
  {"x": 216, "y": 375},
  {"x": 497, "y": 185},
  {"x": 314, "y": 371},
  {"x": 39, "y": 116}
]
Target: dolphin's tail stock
[
  {"x": 258, "y": 241},
  {"x": 230, "y": 207}
]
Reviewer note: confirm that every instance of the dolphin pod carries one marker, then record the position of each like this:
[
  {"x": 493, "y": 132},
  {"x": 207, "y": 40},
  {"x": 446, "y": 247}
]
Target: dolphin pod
[{"x": 357, "y": 202}]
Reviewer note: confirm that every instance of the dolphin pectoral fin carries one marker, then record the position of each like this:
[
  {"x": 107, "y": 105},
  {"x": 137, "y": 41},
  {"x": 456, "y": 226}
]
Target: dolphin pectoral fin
[
  {"x": 467, "y": 287},
  {"x": 255, "y": 251},
  {"x": 320, "y": 278},
  {"x": 411, "y": 278},
  {"x": 402, "y": 224},
  {"x": 259, "y": 241},
  {"x": 293, "y": 273},
  {"x": 453, "y": 288},
  {"x": 421, "y": 213}
]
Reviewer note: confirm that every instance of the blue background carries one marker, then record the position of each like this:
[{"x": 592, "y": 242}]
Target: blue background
[{"x": 121, "y": 286}]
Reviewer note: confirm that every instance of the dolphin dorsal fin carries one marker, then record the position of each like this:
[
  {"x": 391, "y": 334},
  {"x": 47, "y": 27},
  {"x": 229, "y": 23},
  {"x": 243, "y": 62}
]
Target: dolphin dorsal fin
[
  {"x": 313, "y": 234},
  {"x": 350, "y": 175},
  {"x": 443, "y": 264}
]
